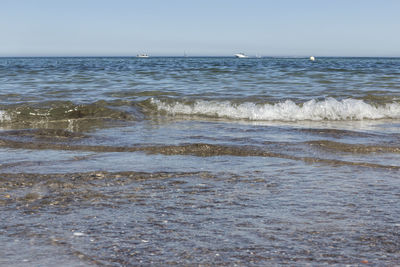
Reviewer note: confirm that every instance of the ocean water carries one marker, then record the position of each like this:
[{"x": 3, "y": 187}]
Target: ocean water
[{"x": 199, "y": 161}]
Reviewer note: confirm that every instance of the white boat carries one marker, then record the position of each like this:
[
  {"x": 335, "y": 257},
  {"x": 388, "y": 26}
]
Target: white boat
[
  {"x": 240, "y": 55},
  {"x": 142, "y": 55}
]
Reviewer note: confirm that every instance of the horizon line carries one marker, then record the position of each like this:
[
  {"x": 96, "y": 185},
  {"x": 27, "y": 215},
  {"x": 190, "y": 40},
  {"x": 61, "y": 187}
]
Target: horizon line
[{"x": 185, "y": 56}]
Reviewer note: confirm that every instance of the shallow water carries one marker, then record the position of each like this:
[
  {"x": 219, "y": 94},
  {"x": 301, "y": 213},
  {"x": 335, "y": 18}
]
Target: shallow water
[{"x": 199, "y": 161}]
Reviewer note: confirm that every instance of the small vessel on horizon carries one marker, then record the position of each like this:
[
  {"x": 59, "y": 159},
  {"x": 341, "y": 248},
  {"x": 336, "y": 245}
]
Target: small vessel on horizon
[
  {"x": 241, "y": 55},
  {"x": 142, "y": 55}
]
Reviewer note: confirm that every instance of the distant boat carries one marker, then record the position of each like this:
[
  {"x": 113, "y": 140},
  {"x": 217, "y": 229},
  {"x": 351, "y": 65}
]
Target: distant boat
[
  {"x": 240, "y": 55},
  {"x": 142, "y": 55}
]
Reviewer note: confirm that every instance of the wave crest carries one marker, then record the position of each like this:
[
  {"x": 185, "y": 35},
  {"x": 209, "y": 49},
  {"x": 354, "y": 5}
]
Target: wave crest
[
  {"x": 59, "y": 114},
  {"x": 328, "y": 109}
]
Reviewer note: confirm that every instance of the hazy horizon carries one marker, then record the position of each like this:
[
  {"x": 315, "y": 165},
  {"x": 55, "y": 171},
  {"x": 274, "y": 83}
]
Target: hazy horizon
[{"x": 188, "y": 56}]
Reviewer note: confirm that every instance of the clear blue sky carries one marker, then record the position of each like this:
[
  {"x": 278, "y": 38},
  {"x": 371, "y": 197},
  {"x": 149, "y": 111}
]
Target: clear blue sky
[{"x": 200, "y": 27}]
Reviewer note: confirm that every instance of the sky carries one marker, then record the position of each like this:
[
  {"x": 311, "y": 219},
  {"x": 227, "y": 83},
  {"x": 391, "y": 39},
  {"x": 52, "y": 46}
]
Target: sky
[{"x": 200, "y": 27}]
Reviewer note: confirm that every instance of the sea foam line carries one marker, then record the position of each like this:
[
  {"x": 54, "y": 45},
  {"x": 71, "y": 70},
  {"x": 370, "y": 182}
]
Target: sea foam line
[{"x": 328, "y": 109}]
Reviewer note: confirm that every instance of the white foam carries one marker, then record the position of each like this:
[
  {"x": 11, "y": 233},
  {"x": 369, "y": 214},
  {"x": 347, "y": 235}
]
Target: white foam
[
  {"x": 4, "y": 116},
  {"x": 328, "y": 109},
  {"x": 78, "y": 234}
]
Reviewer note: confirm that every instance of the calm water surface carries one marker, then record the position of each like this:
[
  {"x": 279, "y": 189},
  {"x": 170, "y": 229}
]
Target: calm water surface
[{"x": 199, "y": 161}]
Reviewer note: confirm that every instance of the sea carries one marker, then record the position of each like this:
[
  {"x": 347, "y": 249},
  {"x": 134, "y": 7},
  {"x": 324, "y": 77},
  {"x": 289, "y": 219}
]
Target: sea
[{"x": 199, "y": 161}]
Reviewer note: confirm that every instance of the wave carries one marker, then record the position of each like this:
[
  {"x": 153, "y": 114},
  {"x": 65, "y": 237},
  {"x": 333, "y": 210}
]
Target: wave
[
  {"x": 329, "y": 109},
  {"x": 314, "y": 110},
  {"x": 60, "y": 111}
]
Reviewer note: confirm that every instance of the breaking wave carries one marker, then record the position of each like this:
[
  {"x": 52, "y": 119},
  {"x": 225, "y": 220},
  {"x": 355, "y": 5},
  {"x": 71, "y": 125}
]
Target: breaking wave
[{"x": 314, "y": 110}]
